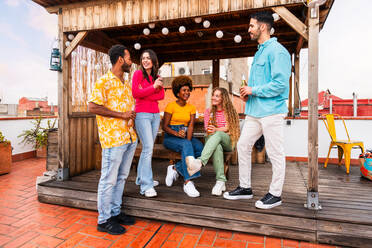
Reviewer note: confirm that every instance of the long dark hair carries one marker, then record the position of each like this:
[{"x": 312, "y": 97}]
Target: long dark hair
[{"x": 155, "y": 65}]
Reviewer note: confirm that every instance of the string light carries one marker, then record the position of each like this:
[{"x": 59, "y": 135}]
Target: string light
[
  {"x": 152, "y": 25},
  {"x": 219, "y": 34},
  {"x": 71, "y": 36},
  {"x": 276, "y": 17},
  {"x": 206, "y": 24},
  {"x": 237, "y": 38},
  {"x": 67, "y": 43},
  {"x": 198, "y": 19},
  {"x": 137, "y": 46},
  {"x": 272, "y": 31},
  {"x": 146, "y": 31},
  {"x": 165, "y": 31},
  {"x": 182, "y": 29}
]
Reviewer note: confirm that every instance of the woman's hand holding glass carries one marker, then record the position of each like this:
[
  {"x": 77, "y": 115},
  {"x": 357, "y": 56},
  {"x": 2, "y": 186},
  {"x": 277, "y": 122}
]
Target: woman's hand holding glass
[
  {"x": 211, "y": 129},
  {"x": 182, "y": 132},
  {"x": 158, "y": 83}
]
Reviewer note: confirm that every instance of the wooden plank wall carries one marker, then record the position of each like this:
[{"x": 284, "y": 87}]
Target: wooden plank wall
[
  {"x": 100, "y": 14},
  {"x": 83, "y": 136}
]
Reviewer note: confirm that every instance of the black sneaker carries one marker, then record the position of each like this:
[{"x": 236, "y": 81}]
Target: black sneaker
[
  {"x": 111, "y": 227},
  {"x": 239, "y": 193},
  {"x": 123, "y": 219},
  {"x": 269, "y": 201}
]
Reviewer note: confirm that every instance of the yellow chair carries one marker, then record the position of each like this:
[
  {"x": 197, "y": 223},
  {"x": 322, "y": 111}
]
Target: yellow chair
[{"x": 344, "y": 146}]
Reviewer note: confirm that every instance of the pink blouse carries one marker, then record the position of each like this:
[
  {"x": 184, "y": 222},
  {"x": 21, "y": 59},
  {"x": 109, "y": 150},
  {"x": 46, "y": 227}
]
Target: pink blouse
[
  {"x": 145, "y": 94},
  {"x": 220, "y": 118}
]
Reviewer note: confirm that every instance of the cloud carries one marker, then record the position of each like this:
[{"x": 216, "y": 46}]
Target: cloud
[
  {"x": 41, "y": 20},
  {"x": 35, "y": 79},
  {"x": 13, "y": 3},
  {"x": 8, "y": 31}
]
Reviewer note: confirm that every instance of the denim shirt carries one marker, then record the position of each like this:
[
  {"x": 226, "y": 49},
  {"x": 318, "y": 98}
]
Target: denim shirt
[{"x": 269, "y": 79}]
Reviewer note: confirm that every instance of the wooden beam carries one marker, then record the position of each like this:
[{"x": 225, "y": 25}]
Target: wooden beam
[
  {"x": 75, "y": 42},
  {"x": 296, "y": 87},
  {"x": 313, "y": 60},
  {"x": 292, "y": 21},
  {"x": 63, "y": 97},
  {"x": 300, "y": 44},
  {"x": 216, "y": 73},
  {"x": 290, "y": 95}
]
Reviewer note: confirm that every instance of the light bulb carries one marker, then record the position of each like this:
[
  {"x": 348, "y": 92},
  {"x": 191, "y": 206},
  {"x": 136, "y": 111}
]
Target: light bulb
[
  {"x": 165, "y": 31},
  {"x": 182, "y": 29},
  {"x": 206, "y": 24},
  {"x": 146, "y": 31},
  {"x": 237, "y": 38},
  {"x": 272, "y": 31},
  {"x": 152, "y": 25},
  {"x": 71, "y": 36},
  {"x": 276, "y": 17},
  {"x": 67, "y": 43},
  {"x": 198, "y": 19},
  {"x": 219, "y": 34},
  {"x": 137, "y": 46}
]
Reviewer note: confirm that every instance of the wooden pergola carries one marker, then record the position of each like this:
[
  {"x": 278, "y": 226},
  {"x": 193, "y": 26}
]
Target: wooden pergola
[{"x": 99, "y": 24}]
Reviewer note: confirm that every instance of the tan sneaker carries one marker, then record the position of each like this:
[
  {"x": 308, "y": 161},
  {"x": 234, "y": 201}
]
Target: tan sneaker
[{"x": 193, "y": 165}]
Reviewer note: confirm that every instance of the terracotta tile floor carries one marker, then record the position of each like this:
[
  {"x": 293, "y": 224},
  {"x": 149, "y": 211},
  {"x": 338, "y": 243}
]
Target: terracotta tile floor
[{"x": 24, "y": 222}]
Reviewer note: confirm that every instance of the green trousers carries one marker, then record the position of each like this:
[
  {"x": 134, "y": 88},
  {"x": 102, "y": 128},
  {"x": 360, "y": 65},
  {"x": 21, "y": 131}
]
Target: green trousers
[{"x": 215, "y": 145}]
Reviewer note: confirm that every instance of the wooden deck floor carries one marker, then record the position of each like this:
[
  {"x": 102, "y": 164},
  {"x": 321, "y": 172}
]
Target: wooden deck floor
[{"x": 346, "y": 217}]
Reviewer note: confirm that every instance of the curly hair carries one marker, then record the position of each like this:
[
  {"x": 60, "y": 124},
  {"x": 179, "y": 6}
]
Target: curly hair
[
  {"x": 179, "y": 82},
  {"x": 232, "y": 117}
]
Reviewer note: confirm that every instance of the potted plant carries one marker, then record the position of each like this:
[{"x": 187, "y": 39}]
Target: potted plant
[
  {"x": 37, "y": 136},
  {"x": 5, "y": 155}
]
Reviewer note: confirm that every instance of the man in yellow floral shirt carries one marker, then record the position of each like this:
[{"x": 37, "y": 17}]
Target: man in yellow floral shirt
[{"x": 112, "y": 102}]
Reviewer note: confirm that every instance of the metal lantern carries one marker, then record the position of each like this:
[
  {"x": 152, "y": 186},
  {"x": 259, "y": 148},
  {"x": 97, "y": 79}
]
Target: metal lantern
[{"x": 55, "y": 60}]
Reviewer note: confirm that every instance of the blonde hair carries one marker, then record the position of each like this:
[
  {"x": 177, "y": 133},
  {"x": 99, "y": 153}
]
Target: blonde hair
[{"x": 232, "y": 117}]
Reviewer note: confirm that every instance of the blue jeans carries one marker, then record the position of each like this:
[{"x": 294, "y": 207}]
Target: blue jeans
[
  {"x": 186, "y": 147},
  {"x": 116, "y": 162},
  {"x": 147, "y": 125}
]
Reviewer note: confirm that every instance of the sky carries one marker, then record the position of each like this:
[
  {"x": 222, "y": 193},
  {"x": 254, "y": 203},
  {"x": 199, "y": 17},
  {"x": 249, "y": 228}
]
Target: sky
[{"x": 27, "y": 33}]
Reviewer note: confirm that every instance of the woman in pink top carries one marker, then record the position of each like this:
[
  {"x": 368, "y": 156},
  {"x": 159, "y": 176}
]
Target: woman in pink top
[
  {"x": 221, "y": 123},
  {"x": 147, "y": 90}
]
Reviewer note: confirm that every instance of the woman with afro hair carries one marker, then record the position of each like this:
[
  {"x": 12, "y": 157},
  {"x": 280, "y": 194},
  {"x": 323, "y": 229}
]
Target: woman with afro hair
[{"x": 178, "y": 125}]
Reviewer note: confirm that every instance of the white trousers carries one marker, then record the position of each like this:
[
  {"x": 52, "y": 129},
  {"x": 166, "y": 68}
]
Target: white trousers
[{"x": 272, "y": 127}]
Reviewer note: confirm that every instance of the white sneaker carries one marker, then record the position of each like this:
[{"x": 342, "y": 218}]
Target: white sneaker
[
  {"x": 172, "y": 175},
  {"x": 190, "y": 189},
  {"x": 150, "y": 192},
  {"x": 218, "y": 188},
  {"x": 193, "y": 165},
  {"x": 156, "y": 183}
]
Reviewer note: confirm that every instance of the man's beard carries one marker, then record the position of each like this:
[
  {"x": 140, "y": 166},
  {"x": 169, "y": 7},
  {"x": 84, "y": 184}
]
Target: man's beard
[
  {"x": 254, "y": 37},
  {"x": 125, "y": 67}
]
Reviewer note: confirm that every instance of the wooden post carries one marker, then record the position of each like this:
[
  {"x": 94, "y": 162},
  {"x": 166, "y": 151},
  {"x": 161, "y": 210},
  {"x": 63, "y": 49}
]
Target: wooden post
[
  {"x": 216, "y": 73},
  {"x": 313, "y": 57},
  {"x": 290, "y": 95},
  {"x": 296, "y": 86},
  {"x": 63, "y": 87}
]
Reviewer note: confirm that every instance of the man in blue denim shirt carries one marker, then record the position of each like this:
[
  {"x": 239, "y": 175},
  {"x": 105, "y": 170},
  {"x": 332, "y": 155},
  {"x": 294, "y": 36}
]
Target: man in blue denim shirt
[{"x": 265, "y": 109}]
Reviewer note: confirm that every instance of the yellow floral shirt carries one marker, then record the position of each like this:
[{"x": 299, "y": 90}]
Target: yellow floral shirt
[{"x": 111, "y": 93}]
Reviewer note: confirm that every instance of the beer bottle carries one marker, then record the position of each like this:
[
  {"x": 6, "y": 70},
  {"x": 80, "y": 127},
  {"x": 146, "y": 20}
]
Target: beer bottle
[{"x": 244, "y": 82}]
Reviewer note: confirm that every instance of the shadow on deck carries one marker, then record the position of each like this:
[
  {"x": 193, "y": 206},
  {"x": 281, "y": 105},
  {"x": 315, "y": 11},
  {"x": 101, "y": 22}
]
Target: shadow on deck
[{"x": 345, "y": 218}]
